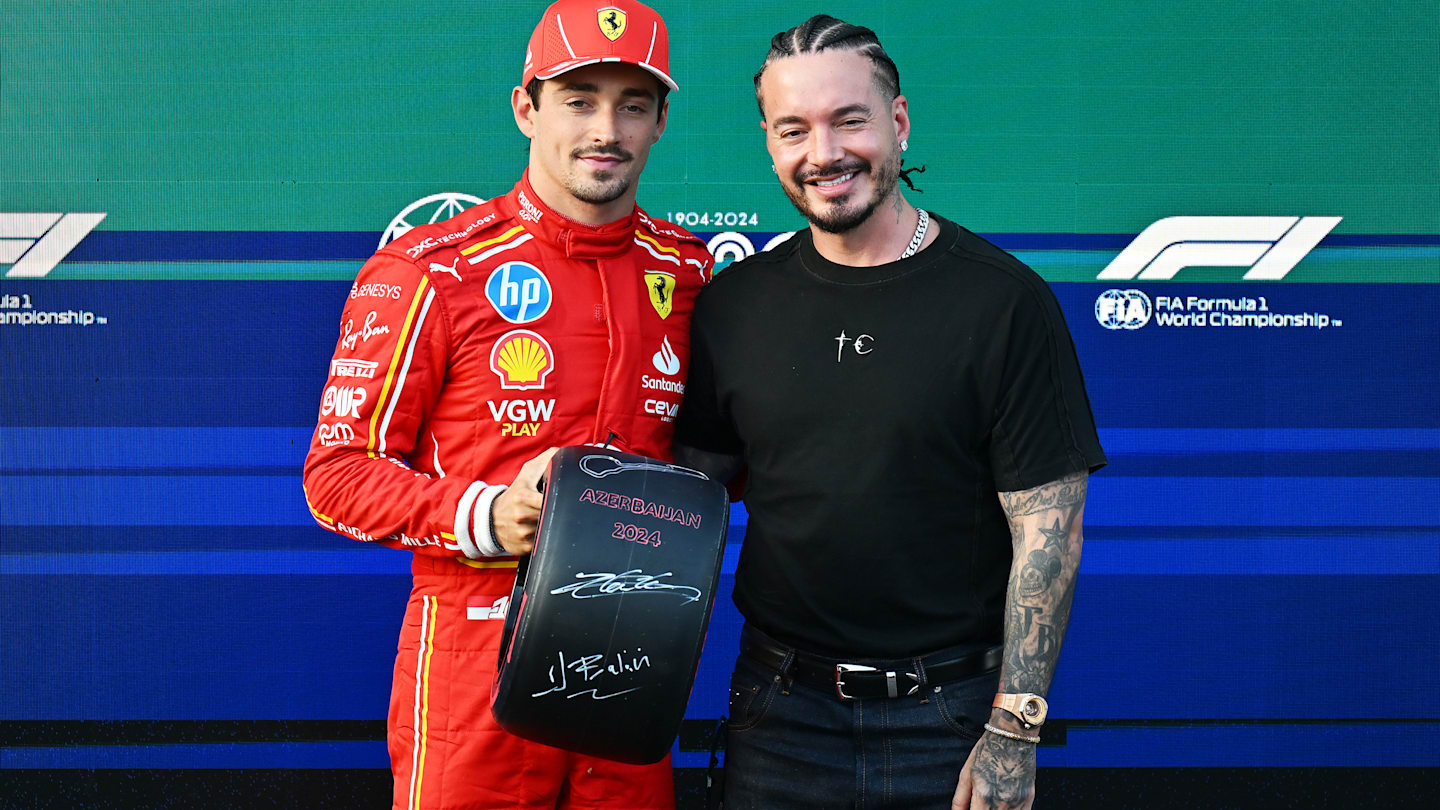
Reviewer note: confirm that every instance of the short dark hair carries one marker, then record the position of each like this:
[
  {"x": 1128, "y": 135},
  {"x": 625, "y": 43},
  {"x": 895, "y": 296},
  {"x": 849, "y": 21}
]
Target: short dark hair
[
  {"x": 825, "y": 33},
  {"x": 532, "y": 89}
]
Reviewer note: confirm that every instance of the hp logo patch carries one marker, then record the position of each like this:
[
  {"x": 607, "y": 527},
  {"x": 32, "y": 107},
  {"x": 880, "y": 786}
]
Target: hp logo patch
[
  {"x": 1123, "y": 309},
  {"x": 519, "y": 292}
]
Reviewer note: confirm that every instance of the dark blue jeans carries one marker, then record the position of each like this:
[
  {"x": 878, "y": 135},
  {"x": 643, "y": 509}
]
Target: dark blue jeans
[{"x": 791, "y": 746}]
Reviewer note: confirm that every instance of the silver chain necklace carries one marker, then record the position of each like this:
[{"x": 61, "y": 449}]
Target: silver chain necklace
[{"x": 920, "y": 228}]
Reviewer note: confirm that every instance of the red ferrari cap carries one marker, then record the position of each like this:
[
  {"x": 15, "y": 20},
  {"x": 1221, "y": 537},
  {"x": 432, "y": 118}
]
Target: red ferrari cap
[{"x": 576, "y": 33}]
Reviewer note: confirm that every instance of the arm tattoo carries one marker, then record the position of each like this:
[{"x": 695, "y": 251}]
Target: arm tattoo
[
  {"x": 1059, "y": 494},
  {"x": 1046, "y": 532}
]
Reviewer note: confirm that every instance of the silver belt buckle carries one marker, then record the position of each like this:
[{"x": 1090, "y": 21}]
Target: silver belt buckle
[
  {"x": 840, "y": 670},
  {"x": 892, "y": 683}
]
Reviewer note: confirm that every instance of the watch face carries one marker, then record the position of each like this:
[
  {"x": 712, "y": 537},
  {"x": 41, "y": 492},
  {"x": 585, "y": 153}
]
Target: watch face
[{"x": 1033, "y": 710}]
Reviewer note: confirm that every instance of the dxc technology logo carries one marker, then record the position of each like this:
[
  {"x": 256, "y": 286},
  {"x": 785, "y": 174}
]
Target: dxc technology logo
[
  {"x": 1269, "y": 246},
  {"x": 35, "y": 243}
]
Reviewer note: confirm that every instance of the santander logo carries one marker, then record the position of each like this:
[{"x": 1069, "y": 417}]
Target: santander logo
[{"x": 665, "y": 360}]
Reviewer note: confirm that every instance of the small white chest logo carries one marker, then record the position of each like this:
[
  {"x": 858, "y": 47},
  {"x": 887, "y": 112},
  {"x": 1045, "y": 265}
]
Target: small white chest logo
[
  {"x": 666, "y": 361},
  {"x": 862, "y": 344}
]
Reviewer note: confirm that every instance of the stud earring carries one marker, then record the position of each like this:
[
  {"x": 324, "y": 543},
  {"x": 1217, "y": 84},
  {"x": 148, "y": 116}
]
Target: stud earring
[{"x": 904, "y": 144}]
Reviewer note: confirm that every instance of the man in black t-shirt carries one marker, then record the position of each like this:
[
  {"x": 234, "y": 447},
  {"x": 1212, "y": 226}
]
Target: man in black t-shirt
[{"x": 907, "y": 403}]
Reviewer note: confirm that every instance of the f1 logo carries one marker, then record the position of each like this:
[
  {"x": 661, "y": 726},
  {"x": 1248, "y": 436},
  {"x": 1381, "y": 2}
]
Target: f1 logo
[
  {"x": 35, "y": 243},
  {"x": 1269, "y": 246}
]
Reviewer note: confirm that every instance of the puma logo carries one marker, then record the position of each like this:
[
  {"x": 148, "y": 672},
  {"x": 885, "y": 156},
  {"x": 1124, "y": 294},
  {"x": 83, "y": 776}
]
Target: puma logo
[{"x": 437, "y": 267}]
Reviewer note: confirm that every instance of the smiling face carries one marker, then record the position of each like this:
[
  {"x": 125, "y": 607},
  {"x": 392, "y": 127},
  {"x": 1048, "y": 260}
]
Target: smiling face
[
  {"x": 590, "y": 136},
  {"x": 833, "y": 136}
]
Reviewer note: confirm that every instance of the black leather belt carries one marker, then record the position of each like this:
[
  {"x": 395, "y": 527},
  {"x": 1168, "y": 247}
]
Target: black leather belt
[{"x": 871, "y": 679}]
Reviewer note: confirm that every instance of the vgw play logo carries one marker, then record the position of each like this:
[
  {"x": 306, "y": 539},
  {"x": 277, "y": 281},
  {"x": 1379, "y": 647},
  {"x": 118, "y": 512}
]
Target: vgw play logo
[{"x": 34, "y": 243}]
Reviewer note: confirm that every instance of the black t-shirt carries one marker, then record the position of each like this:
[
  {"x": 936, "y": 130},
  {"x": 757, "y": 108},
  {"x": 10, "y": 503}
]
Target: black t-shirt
[{"x": 879, "y": 410}]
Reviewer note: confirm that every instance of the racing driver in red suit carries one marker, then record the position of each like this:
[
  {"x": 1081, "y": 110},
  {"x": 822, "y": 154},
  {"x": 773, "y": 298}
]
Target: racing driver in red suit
[{"x": 469, "y": 349}]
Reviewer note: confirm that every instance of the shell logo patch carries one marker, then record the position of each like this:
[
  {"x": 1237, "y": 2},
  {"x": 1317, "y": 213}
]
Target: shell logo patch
[
  {"x": 661, "y": 286},
  {"x": 612, "y": 22},
  {"x": 522, "y": 359}
]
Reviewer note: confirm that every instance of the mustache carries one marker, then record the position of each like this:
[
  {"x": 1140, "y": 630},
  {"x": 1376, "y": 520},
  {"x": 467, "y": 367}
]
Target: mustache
[
  {"x": 606, "y": 151},
  {"x": 833, "y": 170}
]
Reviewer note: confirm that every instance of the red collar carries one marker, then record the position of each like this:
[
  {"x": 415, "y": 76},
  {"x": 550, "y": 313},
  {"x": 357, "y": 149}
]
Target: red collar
[{"x": 576, "y": 239}]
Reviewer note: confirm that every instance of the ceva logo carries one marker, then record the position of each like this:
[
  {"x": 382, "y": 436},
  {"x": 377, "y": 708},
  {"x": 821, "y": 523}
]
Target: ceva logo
[
  {"x": 35, "y": 243},
  {"x": 1269, "y": 246}
]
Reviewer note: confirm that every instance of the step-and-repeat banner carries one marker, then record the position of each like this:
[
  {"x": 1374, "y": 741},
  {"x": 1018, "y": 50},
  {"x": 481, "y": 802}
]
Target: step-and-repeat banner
[{"x": 1238, "y": 206}]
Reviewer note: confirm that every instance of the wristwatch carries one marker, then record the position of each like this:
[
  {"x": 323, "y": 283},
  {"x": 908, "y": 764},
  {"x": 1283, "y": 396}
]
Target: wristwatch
[{"x": 1030, "y": 708}]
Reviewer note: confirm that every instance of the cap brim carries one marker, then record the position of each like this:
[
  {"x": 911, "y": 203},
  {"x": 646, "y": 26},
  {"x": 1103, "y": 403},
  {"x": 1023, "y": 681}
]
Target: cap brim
[{"x": 574, "y": 64}]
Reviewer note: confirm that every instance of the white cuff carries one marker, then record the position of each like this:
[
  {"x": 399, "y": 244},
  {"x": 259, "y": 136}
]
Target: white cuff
[
  {"x": 474, "y": 511},
  {"x": 484, "y": 538}
]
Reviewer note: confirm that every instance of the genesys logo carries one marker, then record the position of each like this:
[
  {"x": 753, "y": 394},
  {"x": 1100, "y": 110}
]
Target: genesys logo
[
  {"x": 33, "y": 244},
  {"x": 375, "y": 290},
  {"x": 1269, "y": 246},
  {"x": 522, "y": 360}
]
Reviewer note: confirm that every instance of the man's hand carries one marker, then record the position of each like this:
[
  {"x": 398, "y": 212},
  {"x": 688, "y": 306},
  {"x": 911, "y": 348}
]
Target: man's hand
[
  {"x": 999, "y": 775},
  {"x": 516, "y": 511}
]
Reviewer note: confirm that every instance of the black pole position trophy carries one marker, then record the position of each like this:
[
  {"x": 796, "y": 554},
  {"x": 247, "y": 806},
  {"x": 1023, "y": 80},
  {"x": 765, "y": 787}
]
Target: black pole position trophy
[{"x": 609, "y": 611}]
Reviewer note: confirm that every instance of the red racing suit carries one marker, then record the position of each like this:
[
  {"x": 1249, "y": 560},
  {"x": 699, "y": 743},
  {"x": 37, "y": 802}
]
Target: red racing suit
[{"x": 466, "y": 348}]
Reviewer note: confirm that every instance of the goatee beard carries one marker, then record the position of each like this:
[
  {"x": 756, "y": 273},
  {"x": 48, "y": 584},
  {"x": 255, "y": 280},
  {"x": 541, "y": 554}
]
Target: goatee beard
[
  {"x": 599, "y": 193},
  {"x": 843, "y": 219},
  {"x": 601, "y": 188}
]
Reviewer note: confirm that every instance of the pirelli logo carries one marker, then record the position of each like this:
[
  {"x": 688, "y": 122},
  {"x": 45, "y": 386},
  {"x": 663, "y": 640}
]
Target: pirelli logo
[{"x": 353, "y": 368}]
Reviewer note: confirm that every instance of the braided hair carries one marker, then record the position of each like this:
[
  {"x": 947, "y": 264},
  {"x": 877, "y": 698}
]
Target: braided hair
[{"x": 825, "y": 33}]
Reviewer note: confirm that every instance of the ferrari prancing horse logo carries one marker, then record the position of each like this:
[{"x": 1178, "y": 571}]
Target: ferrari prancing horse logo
[
  {"x": 661, "y": 286},
  {"x": 612, "y": 22}
]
